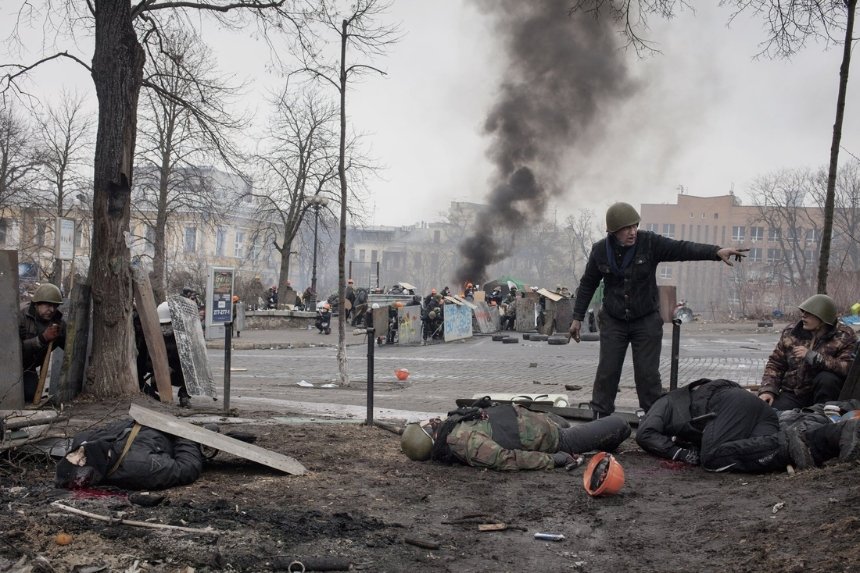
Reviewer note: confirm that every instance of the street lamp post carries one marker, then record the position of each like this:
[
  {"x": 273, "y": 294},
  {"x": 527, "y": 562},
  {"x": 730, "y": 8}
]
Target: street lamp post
[{"x": 315, "y": 202}]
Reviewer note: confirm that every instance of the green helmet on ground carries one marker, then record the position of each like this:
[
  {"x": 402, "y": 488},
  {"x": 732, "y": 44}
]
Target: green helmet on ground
[
  {"x": 620, "y": 215},
  {"x": 416, "y": 442},
  {"x": 48, "y": 293},
  {"x": 822, "y": 306}
]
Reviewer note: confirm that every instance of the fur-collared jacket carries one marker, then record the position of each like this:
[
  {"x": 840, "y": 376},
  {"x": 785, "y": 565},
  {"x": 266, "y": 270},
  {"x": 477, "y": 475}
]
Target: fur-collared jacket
[{"x": 831, "y": 351}]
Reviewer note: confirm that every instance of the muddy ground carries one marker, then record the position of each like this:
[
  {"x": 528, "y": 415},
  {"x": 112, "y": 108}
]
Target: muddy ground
[{"x": 362, "y": 500}]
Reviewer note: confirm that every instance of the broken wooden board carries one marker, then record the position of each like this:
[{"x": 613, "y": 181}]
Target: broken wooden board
[
  {"x": 11, "y": 375},
  {"x": 191, "y": 346},
  {"x": 149, "y": 323},
  {"x": 553, "y": 296},
  {"x": 170, "y": 425}
]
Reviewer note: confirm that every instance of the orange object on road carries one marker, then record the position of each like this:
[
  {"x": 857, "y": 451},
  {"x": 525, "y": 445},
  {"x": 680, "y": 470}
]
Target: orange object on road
[
  {"x": 603, "y": 475},
  {"x": 401, "y": 373}
]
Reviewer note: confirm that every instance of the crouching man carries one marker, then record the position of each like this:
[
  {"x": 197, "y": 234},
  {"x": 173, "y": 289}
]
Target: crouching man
[
  {"x": 722, "y": 426},
  {"x": 508, "y": 437},
  {"x": 130, "y": 456}
]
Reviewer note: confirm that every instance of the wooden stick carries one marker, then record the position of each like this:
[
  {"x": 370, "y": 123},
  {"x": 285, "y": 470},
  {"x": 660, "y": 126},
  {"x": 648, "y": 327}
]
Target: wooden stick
[
  {"x": 119, "y": 521},
  {"x": 37, "y": 397}
]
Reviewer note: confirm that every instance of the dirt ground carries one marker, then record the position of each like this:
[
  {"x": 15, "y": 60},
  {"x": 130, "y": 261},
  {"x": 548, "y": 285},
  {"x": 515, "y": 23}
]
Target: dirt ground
[{"x": 364, "y": 504}]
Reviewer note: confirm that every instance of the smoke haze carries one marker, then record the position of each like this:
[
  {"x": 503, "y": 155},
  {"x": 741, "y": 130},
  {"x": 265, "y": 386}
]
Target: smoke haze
[{"x": 563, "y": 74}]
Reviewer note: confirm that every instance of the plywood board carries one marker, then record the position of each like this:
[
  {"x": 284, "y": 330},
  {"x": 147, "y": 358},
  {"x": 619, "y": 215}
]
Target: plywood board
[
  {"x": 487, "y": 318},
  {"x": 11, "y": 375},
  {"x": 170, "y": 425},
  {"x": 380, "y": 320},
  {"x": 525, "y": 321},
  {"x": 549, "y": 294},
  {"x": 563, "y": 315},
  {"x": 409, "y": 325},
  {"x": 458, "y": 322},
  {"x": 192, "y": 346}
]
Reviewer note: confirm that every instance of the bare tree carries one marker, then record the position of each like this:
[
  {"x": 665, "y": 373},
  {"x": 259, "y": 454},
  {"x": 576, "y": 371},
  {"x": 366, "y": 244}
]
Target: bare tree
[
  {"x": 359, "y": 32},
  {"x": 19, "y": 162},
  {"x": 790, "y": 25},
  {"x": 846, "y": 214},
  {"x": 65, "y": 136},
  {"x": 298, "y": 162},
  {"x": 184, "y": 123},
  {"x": 120, "y": 31},
  {"x": 581, "y": 233}
]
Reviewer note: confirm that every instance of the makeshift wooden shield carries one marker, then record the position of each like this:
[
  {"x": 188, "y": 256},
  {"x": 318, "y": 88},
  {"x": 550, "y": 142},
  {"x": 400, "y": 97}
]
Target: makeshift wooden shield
[
  {"x": 192, "y": 346},
  {"x": 11, "y": 388},
  {"x": 525, "y": 320},
  {"x": 380, "y": 320},
  {"x": 563, "y": 314},
  {"x": 409, "y": 325},
  {"x": 487, "y": 318},
  {"x": 457, "y": 321},
  {"x": 170, "y": 425}
]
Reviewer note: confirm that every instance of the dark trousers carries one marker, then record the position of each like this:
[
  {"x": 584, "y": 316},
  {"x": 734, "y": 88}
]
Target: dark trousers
[
  {"x": 604, "y": 435},
  {"x": 744, "y": 436},
  {"x": 31, "y": 381},
  {"x": 645, "y": 336},
  {"x": 826, "y": 387}
]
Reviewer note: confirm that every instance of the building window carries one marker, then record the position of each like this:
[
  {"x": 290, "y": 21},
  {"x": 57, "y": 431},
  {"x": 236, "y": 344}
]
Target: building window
[
  {"x": 190, "y": 239},
  {"x": 794, "y": 234},
  {"x": 3, "y": 224},
  {"x": 254, "y": 251},
  {"x": 669, "y": 230},
  {"x": 756, "y": 234},
  {"x": 220, "y": 240},
  {"x": 79, "y": 236},
  {"x": 774, "y": 234},
  {"x": 811, "y": 236},
  {"x": 437, "y": 235},
  {"x": 374, "y": 256},
  {"x": 361, "y": 255},
  {"x": 774, "y": 256},
  {"x": 738, "y": 233},
  {"x": 653, "y": 227},
  {"x": 755, "y": 255},
  {"x": 239, "y": 245},
  {"x": 716, "y": 215},
  {"x": 149, "y": 233},
  {"x": 40, "y": 233},
  {"x": 665, "y": 272}
]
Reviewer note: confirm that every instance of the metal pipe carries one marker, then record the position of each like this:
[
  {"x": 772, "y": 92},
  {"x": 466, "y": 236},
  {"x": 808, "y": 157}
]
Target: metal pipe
[
  {"x": 676, "y": 347},
  {"x": 313, "y": 300},
  {"x": 371, "y": 339},
  {"x": 228, "y": 343}
]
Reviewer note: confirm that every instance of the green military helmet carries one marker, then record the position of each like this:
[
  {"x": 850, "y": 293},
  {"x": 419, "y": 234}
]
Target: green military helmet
[
  {"x": 822, "y": 306},
  {"x": 620, "y": 215},
  {"x": 48, "y": 293},
  {"x": 416, "y": 442}
]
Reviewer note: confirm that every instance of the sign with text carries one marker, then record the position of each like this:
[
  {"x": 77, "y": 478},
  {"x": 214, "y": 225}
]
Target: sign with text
[
  {"x": 65, "y": 234},
  {"x": 219, "y": 296}
]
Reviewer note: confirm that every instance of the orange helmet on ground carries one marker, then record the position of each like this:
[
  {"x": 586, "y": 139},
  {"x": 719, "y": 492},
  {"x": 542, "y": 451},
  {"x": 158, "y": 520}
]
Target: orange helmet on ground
[{"x": 603, "y": 475}]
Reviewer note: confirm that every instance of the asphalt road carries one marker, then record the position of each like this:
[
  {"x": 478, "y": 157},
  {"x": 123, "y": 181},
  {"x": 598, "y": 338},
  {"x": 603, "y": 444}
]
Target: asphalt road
[{"x": 290, "y": 381}]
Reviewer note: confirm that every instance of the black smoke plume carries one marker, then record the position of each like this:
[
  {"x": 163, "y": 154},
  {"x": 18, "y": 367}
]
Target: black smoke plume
[{"x": 563, "y": 74}]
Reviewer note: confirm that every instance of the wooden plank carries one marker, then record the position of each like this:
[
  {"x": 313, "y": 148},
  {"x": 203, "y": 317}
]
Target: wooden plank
[
  {"x": 175, "y": 427},
  {"x": 11, "y": 375},
  {"x": 70, "y": 374},
  {"x": 148, "y": 315},
  {"x": 553, "y": 296}
]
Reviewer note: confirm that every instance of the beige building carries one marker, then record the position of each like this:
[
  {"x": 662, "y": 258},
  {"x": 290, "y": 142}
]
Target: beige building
[{"x": 780, "y": 269}]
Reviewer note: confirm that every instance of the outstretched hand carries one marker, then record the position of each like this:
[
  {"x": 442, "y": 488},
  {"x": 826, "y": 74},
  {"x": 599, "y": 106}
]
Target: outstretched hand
[
  {"x": 727, "y": 253},
  {"x": 575, "y": 327}
]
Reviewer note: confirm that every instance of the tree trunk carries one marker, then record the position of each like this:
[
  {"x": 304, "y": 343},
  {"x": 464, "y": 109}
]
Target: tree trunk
[
  {"x": 117, "y": 75},
  {"x": 829, "y": 201},
  {"x": 159, "y": 257},
  {"x": 284, "y": 273},
  {"x": 341, "y": 249}
]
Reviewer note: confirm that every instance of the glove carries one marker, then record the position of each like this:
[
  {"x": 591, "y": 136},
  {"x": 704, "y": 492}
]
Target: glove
[
  {"x": 687, "y": 456},
  {"x": 561, "y": 459},
  {"x": 50, "y": 333}
]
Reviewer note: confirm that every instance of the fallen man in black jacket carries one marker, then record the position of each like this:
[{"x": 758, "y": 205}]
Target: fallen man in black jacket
[
  {"x": 724, "y": 427},
  {"x": 128, "y": 455}
]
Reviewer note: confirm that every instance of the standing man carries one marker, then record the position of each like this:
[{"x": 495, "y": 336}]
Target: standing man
[
  {"x": 41, "y": 328},
  {"x": 349, "y": 295},
  {"x": 626, "y": 260},
  {"x": 811, "y": 359}
]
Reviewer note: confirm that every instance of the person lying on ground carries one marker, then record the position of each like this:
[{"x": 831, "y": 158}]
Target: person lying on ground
[
  {"x": 811, "y": 360},
  {"x": 509, "y": 437},
  {"x": 723, "y": 427}
]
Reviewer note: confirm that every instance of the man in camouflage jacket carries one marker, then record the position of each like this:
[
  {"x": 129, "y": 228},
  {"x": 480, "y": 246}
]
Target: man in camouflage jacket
[
  {"x": 811, "y": 359},
  {"x": 508, "y": 438}
]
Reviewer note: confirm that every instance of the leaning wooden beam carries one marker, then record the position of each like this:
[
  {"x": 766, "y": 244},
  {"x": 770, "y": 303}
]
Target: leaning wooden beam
[
  {"x": 175, "y": 427},
  {"x": 120, "y": 521},
  {"x": 148, "y": 315}
]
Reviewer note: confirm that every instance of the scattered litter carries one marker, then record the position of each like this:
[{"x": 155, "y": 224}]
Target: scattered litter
[
  {"x": 550, "y": 536},
  {"x": 63, "y": 538},
  {"x": 532, "y": 364},
  {"x": 304, "y": 384},
  {"x": 778, "y": 506},
  {"x": 492, "y": 527},
  {"x": 329, "y": 386}
]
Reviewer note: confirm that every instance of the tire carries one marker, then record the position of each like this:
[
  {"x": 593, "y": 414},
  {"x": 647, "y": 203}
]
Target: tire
[
  {"x": 498, "y": 337},
  {"x": 527, "y": 336},
  {"x": 557, "y": 340},
  {"x": 510, "y": 340},
  {"x": 589, "y": 336},
  {"x": 539, "y": 337}
]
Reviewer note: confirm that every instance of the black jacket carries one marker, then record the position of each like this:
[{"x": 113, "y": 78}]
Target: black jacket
[
  {"x": 30, "y": 328},
  {"x": 671, "y": 417},
  {"x": 633, "y": 293}
]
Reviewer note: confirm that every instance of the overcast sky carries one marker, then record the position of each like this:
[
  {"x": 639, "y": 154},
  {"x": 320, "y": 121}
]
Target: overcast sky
[{"x": 704, "y": 115}]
